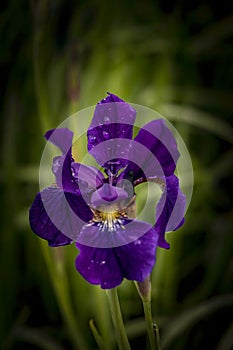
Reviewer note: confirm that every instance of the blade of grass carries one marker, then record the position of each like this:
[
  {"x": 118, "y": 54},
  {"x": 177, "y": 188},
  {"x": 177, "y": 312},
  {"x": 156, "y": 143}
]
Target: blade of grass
[
  {"x": 60, "y": 284},
  {"x": 193, "y": 116},
  {"x": 181, "y": 323}
]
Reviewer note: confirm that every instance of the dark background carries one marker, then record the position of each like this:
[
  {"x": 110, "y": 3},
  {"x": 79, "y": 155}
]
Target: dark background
[{"x": 57, "y": 57}]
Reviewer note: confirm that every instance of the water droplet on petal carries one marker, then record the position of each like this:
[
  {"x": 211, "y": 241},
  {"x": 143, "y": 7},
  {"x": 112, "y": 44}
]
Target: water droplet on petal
[
  {"x": 92, "y": 261},
  {"x": 92, "y": 138},
  {"x": 102, "y": 263},
  {"x": 106, "y": 119},
  {"x": 105, "y": 134},
  {"x": 57, "y": 162},
  {"x": 138, "y": 242}
]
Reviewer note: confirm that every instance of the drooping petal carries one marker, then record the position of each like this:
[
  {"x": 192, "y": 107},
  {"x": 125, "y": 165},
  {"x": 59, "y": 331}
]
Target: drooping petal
[
  {"x": 117, "y": 234},
  {"x": 108, "y": 266},
  {"x": 99, "y": 266},
  {"x": 138, "y": 258},
  {"x": 58, "y": 216},
  {"x": 43, "y": 226},
  {"x": 170, "y": 210},
  {"x": 161, "y": 145},
  {"x": 113, "y": 119}
]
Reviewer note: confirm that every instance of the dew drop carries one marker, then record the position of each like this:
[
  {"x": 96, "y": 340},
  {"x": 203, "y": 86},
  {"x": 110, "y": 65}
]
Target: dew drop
[
  {"x": 105, "y": 134},
  {"x": 138, "y": 242},
  {"x": 57, "y": 162},
  {"x": 92, "y": 138},
  {"x": 102, "y": 263}
]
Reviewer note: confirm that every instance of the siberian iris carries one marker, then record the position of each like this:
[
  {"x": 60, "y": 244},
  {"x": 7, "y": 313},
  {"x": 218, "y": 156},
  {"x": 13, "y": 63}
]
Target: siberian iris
[{"x": 96, "y": 209}]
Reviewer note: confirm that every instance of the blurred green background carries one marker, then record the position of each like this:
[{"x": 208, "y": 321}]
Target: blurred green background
[{"x": 58, "y": 57}]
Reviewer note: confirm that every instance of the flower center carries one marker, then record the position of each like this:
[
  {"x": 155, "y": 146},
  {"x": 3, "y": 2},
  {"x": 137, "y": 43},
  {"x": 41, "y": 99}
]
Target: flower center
[{"x": 110, "y": 220}]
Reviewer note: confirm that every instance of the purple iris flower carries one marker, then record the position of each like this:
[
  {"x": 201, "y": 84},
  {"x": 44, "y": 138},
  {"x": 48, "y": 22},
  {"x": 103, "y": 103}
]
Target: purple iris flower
[{"x": 96, "y": 209}]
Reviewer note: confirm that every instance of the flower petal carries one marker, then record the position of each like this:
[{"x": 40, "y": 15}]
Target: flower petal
[
  {"x": 160, "y": 141},
  {"x": 104, "y": 235},
  {"x": 112, "y": 111},
  {"x": 99, "y": 266},
  {"x": 170, "y": 210},
  {"x": 63, "y": 173},
  {"x": 113, "y": 119},
  {"x": 138, "y": 258},
  {"x": 43, "y": 226},
  {"x": 108, "y": 195},
  {"x": 88, "y": 175},
  {"x": 62, "y": 138},
  {"x": 58, "y": 216},
  {"x": 108, "y": 266}
]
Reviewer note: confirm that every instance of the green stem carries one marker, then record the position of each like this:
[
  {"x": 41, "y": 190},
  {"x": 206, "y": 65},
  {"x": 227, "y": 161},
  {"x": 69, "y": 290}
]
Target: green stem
[
  {"x": 156, "y": 329},
  {"x": 96, "y": 335},
  {"x": 117, "y": 319},
  {"x": 152, "y": 329}
]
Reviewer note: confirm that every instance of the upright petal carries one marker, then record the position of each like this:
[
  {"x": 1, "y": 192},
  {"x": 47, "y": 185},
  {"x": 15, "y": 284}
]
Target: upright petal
[
  {"x": 161, "y": 143},
  {"x": 108, "y": 195},
  {"x": 170, "y": 210},
  {"x": 113, "y": 119},
  {"x": 58, "y": 216}
]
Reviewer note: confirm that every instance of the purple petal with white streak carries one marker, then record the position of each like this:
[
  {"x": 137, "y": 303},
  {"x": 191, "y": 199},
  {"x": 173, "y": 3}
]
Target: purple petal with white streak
[
  {"x": 58, "y": 216},
  {"x": 108, "y": 266}
]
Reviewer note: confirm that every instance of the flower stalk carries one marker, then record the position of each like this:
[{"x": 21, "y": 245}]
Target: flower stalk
[
  {"x": 144, "y": 290},
  {"x": 117, "y": 319},
  {"x": 98, "y": 339},
  {"x": 152, "y": 328}
]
